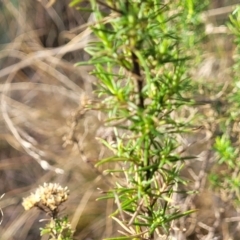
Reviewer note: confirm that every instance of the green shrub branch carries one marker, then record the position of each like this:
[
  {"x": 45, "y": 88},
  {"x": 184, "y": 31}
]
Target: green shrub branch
[{"x": 140, "y": 60}]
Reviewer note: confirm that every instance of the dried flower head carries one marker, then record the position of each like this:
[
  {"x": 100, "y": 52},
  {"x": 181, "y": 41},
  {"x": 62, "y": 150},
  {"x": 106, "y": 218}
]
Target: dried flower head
[{"x": 47, "y": 197}]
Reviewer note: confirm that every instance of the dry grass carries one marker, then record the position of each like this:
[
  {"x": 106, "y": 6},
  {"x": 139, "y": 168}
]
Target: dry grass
[{"x": 40, "y": 91}]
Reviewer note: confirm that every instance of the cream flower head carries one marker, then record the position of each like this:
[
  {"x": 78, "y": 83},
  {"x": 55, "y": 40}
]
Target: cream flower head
[{"x": 47, "y": 197}]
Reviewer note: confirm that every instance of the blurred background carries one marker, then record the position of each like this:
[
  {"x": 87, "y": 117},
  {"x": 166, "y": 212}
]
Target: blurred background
[{"x": 44, "y": 137}]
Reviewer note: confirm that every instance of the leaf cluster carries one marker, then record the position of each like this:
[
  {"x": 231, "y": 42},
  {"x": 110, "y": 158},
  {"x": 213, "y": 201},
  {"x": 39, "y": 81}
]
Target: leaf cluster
[{"x": 140, "y": 60}]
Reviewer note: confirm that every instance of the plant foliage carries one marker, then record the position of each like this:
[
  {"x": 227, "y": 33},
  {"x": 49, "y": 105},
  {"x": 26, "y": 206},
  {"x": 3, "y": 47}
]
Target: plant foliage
[{"x": 140, "y": 58}]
